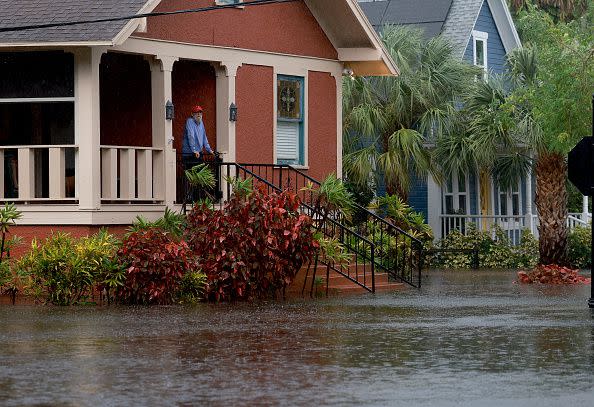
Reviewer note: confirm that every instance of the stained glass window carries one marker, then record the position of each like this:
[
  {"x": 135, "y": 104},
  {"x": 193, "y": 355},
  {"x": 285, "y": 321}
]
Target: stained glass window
[{"x": 289, "y": 98}]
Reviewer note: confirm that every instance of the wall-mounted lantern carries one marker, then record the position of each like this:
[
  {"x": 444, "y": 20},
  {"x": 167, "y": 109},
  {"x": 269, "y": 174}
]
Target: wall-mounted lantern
[
  {"x": 169, "y": 110},
  {"x": 233, "y": 112}
]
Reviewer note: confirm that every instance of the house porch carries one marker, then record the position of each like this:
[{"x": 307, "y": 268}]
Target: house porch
[{"x": 84, "y": 138}]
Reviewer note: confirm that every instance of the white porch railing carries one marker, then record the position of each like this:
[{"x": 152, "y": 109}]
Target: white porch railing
[
  {"x": 132, "y": 173},
  {"x": 574, "y": 220},
  {"x": 512, "y": 226},
  {"x": 36, "y": 173}
]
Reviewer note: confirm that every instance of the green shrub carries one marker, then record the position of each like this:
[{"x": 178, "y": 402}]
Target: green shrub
[
  {"x": 362, "y": 195},
  {"x": 579, "y": 247},
  {"x": 65, "y": 269},
  {"x": 402, "y": 215},
  {"x": 171, "y": 222},
  {"x": 192, "y": 288},
  {"x": 495, "y": 249}
]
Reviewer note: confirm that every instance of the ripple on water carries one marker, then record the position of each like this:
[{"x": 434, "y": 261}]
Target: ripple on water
[{"x": 465, "y": 338}]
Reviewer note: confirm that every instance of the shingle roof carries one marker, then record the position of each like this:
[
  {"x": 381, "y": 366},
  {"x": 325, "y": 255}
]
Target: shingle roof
[
  {"x": 428, "y": 15},
  {"x": 30, "y": 12},
  {"x": 454, "y": 19},
  {"x": 461, "y": 19}
]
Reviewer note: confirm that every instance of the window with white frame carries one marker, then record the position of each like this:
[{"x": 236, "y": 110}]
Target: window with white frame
[
  {"x": 479, "y": 40},
  {"x": 36, "y": 108},
  {"x": 510, "y": 201},
  {"x": 290, "y": 120},
  {"x": 455, "y": 196}
]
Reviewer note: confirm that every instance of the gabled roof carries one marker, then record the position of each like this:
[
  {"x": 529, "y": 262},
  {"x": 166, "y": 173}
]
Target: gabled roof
[
  {"x": 454, "y": 19},
  {"x": 343, "y": 21},
  {"x": 460, "y": 22},
  {"x": 31, "y": 12}
]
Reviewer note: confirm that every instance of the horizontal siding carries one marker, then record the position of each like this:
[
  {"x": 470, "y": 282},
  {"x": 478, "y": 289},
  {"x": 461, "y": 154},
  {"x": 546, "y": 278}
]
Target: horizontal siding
[
  {"x": 417, "y": 197},
  {"x": 495, "y": 49}
]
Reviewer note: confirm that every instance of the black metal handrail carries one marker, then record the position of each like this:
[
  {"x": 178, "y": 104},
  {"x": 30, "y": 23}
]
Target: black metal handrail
[
  {"x": 362, "y": 250},
  {"x": 396, "y": 252}
]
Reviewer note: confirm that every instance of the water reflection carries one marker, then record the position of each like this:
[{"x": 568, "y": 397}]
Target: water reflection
[{"x": 464, "y": 339}]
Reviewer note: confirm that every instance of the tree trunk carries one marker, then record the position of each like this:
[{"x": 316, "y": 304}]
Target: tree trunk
[
  {"x": 551, "y": 202},
  {"x": 397, "y": 189}
]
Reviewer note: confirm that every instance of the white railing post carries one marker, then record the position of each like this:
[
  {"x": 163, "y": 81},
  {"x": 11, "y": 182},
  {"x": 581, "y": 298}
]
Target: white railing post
[
  {"x": 158, "y": 175},
  {"x": 127, "y": 173},
  {"x": 145, "y": 174},
  {"x": 109, "y": 173},
  {"x": 57, "y": 173},
  {"x": 26, "y": 173}
]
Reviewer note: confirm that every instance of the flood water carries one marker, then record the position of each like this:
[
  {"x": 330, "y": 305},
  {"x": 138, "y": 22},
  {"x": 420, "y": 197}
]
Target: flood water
[{"x": 465, "y": 339}]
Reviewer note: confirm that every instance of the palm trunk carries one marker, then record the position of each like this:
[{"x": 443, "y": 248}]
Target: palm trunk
[
  {"x": 551, "y": 202},
  {"x": 398, "y": 190}
]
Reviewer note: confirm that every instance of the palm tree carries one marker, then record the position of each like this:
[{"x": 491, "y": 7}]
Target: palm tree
[
  {"x": 386, "y": 119},
  {"x": 502, "y": 139}
]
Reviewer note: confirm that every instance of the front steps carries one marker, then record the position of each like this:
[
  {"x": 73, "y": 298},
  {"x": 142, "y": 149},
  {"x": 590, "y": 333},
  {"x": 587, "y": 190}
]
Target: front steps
[{"x": 338, "y": 284}]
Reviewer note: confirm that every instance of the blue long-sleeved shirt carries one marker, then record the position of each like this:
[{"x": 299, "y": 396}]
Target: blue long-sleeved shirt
[{"x": 195, "y": 138}]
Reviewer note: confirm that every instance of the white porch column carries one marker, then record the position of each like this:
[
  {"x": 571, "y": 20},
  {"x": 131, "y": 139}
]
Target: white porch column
[
  {"x": 338, "y": 78},
  {"x": 225, "y": 87},
  {"x": 164, "y": 170},
  {"x": 86, "y": 127},
  {"x": 530, "y": 218},
  {"x": 434, "y": 207},
  {"x": 585, "y": 208}
]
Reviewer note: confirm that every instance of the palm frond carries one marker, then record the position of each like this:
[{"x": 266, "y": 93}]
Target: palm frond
[
  {"x": 508, "y": 169},
  {"x": 201, "y": 176}
]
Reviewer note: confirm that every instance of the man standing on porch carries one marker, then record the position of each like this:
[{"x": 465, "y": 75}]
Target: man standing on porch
[{"x": 194, "y": 137}]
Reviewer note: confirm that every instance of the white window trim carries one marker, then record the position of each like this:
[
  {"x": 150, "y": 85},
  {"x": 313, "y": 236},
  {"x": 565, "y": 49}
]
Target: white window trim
[
  {"x": 37, "y": 100},
  {"x": 483, "y": 37},
  {"x": 304, "y": 74},
  {"x": 509, "y": 202}
]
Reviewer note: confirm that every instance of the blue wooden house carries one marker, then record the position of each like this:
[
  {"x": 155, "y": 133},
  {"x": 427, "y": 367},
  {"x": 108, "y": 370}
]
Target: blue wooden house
[{"x": 482, "y": 33}]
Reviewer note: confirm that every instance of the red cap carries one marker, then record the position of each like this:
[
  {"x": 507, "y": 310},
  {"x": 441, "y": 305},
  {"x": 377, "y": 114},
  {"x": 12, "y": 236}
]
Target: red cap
[{"x": 197, "y": 109}]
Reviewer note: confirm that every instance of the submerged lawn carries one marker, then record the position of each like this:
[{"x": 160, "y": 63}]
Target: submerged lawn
[{"x": 467, "y": 338}]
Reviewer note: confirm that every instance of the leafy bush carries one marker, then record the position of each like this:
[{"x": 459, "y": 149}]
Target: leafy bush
[
  {"x": 552, "y": 274},
  {"x": 403, "y": 216},
  {"x": 171, "y": 222},
  {"x": 191, "y": 288},
  {"x": 579, "y": 247},
  {"x": 156, "y": 264},
  {"x": 8, "y": 217},
  {"x": 66, "y": 269},
  {"x": 362, "y": 195},
  {"x": 11, "y": 281},
  {"x": 254, "y": 246},
  {"x": 495, "y": 249}
]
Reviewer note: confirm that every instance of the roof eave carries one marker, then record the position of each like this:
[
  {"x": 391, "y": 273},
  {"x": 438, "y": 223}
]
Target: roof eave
[
  {"x": 384, "y": 65},
  {"x": 62, "y": 44},
  {"x": 133, "y": 24},
  {"x": 505, "y": 25}
]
